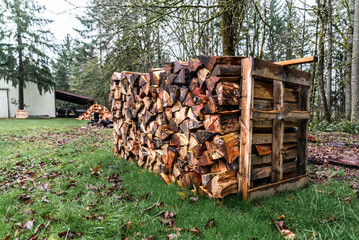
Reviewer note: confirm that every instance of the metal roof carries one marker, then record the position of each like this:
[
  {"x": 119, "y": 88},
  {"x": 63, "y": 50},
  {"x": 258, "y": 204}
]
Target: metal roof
[{"x": 73, "y": 98}]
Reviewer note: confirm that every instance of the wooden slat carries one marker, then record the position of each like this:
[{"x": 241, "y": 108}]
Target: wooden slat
[
  {"x": 288, "y": 154},
  {"x": 257, "y": 114},
  {"x": 262, "y": 123},
  {"x": 303, "y": 131},
  {"x": 266, "y": 138},
  {"x": 246, "y": 128},
  {"x": 267, "y": 105},
  {"x": 264, "y": 90},
  {"x": 269, "y": 70},
  {"x": 264, "y": 172},
  {"x": 284, "y": 185},
  {"x": 278, "y": 133},
  {"x": 298, "y": 61}
]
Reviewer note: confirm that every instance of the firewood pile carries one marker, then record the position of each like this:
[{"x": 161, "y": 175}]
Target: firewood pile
[
  {"x": 182, "y": 122},
  {"x": 104, "y": 113}
]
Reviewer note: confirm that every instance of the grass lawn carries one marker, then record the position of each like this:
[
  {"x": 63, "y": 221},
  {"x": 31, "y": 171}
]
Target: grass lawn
[{"x": 58, "y": 175}]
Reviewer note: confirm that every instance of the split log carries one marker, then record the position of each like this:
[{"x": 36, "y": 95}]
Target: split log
[
  {"x": 222, "y": 124},
  {"x": 211, "y": 61},
  {"x": 227, "y": 146}
]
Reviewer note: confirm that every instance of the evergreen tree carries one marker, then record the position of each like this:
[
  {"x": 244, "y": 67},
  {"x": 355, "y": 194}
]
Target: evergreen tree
[
  {"x": 63, "y": 64},
  {"x": 24, "y": 45},
  {"x": 275, "y": 36}
]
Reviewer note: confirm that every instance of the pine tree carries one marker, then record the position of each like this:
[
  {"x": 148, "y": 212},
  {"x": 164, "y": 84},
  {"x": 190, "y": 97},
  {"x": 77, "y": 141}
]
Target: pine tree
[
  {"x": 62, "y": 66},
  {"x": 23, "y": 46},
  {"x": 275, "y": 32}
]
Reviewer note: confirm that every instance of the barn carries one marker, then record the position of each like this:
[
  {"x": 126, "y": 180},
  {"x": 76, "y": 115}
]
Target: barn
[{"x": 37, "y": 104}]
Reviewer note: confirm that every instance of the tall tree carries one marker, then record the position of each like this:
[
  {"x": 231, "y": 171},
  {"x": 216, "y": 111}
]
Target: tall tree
[
  {"x": 323, "y": 17},
  {"x": 275, "y": 36},
  {"x": 62, "y": 65},
  {"x": 24, "y": 41},
  {"x": 355, "y": 65},
  {"x": 348, "y": 91},
  {"x": 329, "y": 55}
]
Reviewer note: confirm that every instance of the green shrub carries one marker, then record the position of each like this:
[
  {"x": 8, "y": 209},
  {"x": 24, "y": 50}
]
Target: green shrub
[{"x": 342, "y": 126}]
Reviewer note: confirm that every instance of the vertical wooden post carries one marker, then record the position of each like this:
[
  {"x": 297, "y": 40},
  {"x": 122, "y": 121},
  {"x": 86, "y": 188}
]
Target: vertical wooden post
[
  {"x": 246, "y": 128},
  {"x": 278, "y": 132},
  {"x": 302, "y": 132}
]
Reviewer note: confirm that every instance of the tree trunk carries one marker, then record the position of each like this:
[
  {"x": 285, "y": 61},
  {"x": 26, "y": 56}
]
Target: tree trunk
[
  {"x": 313, "y": 87},
  {"x": 320, "y": 71},
  {"x": 348, "y": 92},
  {"x": 21, "y": 67},
  {"x": 303, "y": 35},
  {"x": 264, "y": 30},
  {"x": 329, "y": 56},
  {"x": 227, "y": 29},
  {"x": 289, "y": 36},
  {"x": 355, "y": 65}
]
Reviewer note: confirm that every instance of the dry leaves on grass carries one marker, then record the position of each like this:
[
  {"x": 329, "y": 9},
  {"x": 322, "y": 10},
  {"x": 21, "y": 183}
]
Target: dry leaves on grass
[
  {"x": 195, "y": 231},
  {"x": 210, "y": 223},
  {"x": 69, "y": 234},
  {"x": 284, "y": 230}
]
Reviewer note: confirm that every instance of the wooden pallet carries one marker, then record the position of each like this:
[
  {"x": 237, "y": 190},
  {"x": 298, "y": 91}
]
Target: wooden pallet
[{"x": 278, "y": 170}]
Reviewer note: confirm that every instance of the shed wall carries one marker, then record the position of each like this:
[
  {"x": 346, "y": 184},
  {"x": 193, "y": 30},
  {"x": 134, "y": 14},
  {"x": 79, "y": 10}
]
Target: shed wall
[{"x": 38, "y": 104}]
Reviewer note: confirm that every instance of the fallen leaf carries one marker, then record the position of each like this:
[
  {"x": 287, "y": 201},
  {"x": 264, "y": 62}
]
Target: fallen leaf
[
  {"x": 158, "y": 204},
  {"x": 172, "y": 236},
  {"x": 150, "y": 237},
  {"x": 168, "y": 222},
  {"x": 128, "y": 225},
  {"x": 182, "y": 194},
  {"x": 38, "y": 228},
  {"x": 7, "y": 237},
  {"x": 69, "y": 234},
  {"x": 17, "y": 232},
  {"x": 30, "y": 224},
  {"x": 210, "y": 223},
  {"x": 33, "y": 237},
  {"x": 284, "y": 231},
  {"x": 195, "y": 231},
  {"x": 24, "y": 197},
  {"x": 45, "y": 200},
  {"x": 193, "y": 199}
]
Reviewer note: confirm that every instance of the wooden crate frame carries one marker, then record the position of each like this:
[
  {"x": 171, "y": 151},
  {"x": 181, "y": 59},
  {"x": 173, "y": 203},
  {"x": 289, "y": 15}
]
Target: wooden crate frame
[{"x": 253, "y": 69}]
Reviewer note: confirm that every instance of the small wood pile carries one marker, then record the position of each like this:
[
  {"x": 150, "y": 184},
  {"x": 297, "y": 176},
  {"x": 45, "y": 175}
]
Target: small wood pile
[
  {"x": 103, "y": 112},
  {"x": 182, "y": 121}
]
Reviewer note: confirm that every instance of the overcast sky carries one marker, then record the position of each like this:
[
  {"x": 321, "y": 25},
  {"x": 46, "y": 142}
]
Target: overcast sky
[{"x": 63, "y": 12}]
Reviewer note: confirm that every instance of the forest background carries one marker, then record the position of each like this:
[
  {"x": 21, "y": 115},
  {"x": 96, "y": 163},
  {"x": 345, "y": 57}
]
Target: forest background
[{"x": 136, "y": 35}]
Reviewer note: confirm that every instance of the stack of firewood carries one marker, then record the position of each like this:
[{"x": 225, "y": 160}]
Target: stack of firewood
[
  {"x": 103, "y": 112},
  {"x": 182, "y": 121}
]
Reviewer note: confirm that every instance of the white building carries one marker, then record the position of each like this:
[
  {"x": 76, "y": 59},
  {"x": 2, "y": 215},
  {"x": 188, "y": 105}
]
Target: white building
[{"x": 38, "y": 105}]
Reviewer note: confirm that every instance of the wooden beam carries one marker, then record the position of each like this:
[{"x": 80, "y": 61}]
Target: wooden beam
[
  {"x": 278, "y": 132},
  {"x": 271, "y": 189},
  {"x": 298, "y": 61},
  {"x": 257, "y": 114},
  {"x": 268, "y": 70},
  {"x": 246, "y": 128},
  {"x": 303, "y": 131}
]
